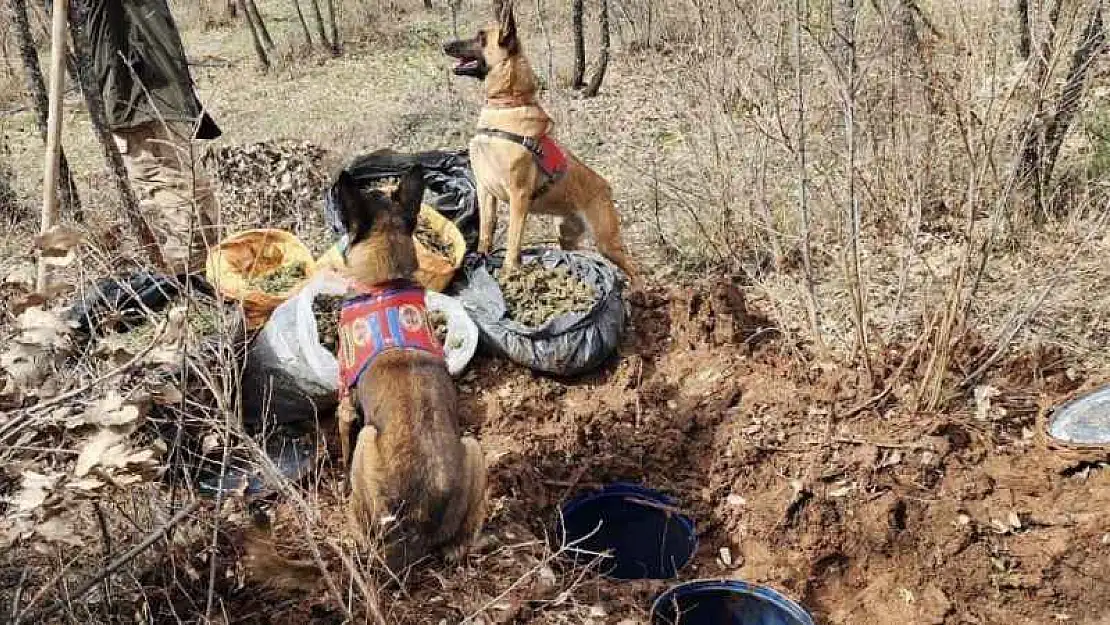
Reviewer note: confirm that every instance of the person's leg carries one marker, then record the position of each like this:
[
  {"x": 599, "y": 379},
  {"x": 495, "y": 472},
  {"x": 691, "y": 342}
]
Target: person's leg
[{"x": 174, "y": 193}]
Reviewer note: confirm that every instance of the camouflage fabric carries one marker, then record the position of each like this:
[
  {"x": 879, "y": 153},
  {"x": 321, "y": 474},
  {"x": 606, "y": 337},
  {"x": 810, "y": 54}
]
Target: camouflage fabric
[{"x": 174, "y": 195}]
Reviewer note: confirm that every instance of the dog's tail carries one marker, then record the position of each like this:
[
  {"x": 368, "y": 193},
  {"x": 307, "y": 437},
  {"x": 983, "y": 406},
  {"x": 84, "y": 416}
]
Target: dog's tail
[{"x": 265, "y": 565}]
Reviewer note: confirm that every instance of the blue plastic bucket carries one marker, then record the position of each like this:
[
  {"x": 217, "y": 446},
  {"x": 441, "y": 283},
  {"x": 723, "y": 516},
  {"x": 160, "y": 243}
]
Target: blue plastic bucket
[
  {"x": 725, "y": 602},
  {"x": 640, "y": 531}
]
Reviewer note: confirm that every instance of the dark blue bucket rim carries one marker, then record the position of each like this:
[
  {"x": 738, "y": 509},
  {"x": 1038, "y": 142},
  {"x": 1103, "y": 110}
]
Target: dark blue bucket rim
[
  {"x": 649, "y": 496},
  {"x": 766, "y": 593}
]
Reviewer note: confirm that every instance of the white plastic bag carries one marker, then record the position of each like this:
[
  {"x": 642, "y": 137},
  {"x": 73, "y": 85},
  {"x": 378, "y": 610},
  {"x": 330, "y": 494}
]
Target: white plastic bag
[
  {"x": 462, "y": 333},
  {"x": 293, "y": 334},
  {"x": 291, "y": 377}
]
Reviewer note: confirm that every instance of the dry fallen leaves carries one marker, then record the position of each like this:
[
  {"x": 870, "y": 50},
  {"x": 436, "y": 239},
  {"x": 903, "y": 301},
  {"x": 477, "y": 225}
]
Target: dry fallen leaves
[
  {"x": 111, "y": 411},
  {"x": 42, "y": 338},
  {"x": 58, "y": 241},
  {"x": 984, "y": 408},
  {"x": 110, "y": 452}
]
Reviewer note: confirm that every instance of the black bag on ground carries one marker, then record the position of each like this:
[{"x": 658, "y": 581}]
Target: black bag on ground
[
  {"x": 117, "y": 304},
  {"x": 565, "y": 345},
  {"x": 448, "y": 179}
]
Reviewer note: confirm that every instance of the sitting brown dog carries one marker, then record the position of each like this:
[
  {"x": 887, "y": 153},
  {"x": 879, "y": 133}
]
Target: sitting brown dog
[
  {"x": 516, "y": 161},
  {"x": 411, "y": 468}
]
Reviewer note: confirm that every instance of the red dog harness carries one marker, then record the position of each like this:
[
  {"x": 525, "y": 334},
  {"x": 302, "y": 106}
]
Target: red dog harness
[
  {"x": 382, "y": 318},
  {"x": 549, "y": 157}
]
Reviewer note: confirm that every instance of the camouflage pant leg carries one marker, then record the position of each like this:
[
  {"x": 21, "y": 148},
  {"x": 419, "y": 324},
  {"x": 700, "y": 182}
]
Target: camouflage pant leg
[{"x": 175, "y": 198}]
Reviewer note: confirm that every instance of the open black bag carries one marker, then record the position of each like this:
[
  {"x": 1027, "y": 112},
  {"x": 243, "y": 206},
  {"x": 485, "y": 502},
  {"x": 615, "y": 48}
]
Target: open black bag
[
  {"x": 565, "y": 345},
  {"x": 449, "y": 182}
]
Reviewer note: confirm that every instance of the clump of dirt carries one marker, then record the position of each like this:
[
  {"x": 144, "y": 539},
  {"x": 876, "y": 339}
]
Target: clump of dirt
[
  {"x": 280, "y": 280},
  {"x": 326, "y": 309},
  {"x": 534, "y": 294},
  {"x": 431, "y": 240}
]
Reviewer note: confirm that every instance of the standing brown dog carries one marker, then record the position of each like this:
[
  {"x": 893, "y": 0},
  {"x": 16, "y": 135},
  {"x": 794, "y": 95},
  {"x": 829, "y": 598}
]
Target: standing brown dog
[
  {"x": 411, "y": 468},
  {"x": 515, "y": 160}
]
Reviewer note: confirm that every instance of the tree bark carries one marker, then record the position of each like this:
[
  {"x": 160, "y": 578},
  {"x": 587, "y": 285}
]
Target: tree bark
[
  {"x": 603, "y": 57},
  {"x": 95, "y": 104},
  {"x": 259, "y": 49},
  {"x": 36, "y": 87},
  {"x": 304, "y": 23},
  {"x": 1025, "y": 35},
  {"x": 320, "y": 32},
  {"x": 1067, "y": 106},
  {"x": 579, "y": 79},
  {"x": 335, "y": 51},
  {"x": 262, "y": 29}
]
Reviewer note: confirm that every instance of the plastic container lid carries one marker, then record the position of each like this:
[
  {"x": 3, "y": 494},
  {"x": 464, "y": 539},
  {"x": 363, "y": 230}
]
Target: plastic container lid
[{"x": 1083, "y": 421}]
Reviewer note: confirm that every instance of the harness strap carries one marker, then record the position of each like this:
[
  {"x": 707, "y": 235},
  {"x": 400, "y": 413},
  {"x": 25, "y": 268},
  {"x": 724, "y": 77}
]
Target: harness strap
[
  {"x": 529, "y": 143},
  {"x": 532, "y": 144}
]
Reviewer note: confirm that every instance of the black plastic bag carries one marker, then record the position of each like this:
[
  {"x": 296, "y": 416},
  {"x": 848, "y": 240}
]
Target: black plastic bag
[
  {"x": 565, "y": 345},
  {"x": 118, "y": 304},
  {"x": 449, "y": 182}
]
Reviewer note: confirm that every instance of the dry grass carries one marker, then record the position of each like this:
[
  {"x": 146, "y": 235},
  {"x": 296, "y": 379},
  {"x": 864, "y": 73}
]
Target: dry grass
[{"x": 698, "y": 129}]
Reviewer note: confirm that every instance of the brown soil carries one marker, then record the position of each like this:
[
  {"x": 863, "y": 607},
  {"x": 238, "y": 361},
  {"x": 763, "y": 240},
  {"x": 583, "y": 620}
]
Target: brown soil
[{"x": 867, "y": 515}]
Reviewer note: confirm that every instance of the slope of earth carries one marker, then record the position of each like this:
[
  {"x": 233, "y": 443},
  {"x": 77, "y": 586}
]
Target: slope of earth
[{"x": 866, "y": 514}]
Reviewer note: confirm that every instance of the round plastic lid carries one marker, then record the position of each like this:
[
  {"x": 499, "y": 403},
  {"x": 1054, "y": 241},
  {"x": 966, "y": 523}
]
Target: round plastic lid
[{"x": 1083, "y": 421}]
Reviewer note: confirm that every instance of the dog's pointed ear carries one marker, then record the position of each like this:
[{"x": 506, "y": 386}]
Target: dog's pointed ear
[
  {"x": 506, "y": 31},
  {"x": 409, "y": 194},
  {"x": 349, "y": 210},
  {"x": 346, "y": 197}
]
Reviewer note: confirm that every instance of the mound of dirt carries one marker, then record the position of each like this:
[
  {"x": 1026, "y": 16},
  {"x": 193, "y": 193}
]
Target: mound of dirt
[{"x": 867, "y": 512}]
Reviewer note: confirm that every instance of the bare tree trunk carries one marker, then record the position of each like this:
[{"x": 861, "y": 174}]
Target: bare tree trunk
[
  {"x": 95, "y": 103},
  {"x": 1048, "y": 46},
  {"x": 257, "y": 16},
  {"x": 304, "y": 24},
  {"x": 579, "y": 79},
  {"x": 259, "y": 49},
  {"x": 1088, "y": 49},
  {"x": 603, "y": 57},
  {"x": 1025, "y": 35},
  {"x": 803, "y": 177},
  {"x": 335, "y": 50},
  {"x": 427, "y": 4},
  {"x": 1043, "y": 142},
  {"x": 847, "y": 24},
  {"x": 36, "y": 87},
  {"x": 320, "y": 32}
]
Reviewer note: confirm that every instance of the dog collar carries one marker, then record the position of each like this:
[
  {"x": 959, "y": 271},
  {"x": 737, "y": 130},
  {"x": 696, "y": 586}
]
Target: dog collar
[
  {"x": 381, "y": 318},
  {"x": 510, "y": 101}
]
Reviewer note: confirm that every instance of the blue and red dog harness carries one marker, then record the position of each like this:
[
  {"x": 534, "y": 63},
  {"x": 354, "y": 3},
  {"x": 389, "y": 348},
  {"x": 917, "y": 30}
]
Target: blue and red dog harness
[{"x": 382, "y": 318}]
